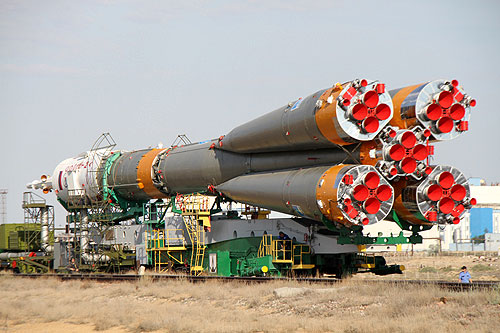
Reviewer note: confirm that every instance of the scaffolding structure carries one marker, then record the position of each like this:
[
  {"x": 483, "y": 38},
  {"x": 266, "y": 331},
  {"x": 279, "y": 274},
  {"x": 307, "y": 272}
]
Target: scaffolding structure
[
  {"x": 38, "y": 228},
  {"x": 91, "y": 215},
  {"x": 168, "y": 246},
  {"x": 165, "y": 246}
]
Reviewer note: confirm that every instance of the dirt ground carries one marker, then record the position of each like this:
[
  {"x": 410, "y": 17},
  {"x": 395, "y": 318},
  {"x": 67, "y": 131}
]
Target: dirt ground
[
  {"x": 49, "y": 305},
  {"x": 482, "y": 267}
]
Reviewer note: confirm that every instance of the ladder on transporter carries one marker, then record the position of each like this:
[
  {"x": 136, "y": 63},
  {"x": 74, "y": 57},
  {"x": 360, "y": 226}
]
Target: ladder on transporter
[
  {"x": 165, "y": 246},
  {"x": 196, "y": 216}
]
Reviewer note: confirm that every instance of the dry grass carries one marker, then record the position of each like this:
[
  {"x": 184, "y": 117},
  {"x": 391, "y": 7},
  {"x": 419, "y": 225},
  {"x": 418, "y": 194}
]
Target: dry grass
[
  {"x": 179, "y": 306},
  {"x": 418, "y": 267}
]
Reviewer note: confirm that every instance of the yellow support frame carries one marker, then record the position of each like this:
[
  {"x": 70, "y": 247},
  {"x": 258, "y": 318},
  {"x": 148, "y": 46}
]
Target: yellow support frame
[
  {"x": 279, "y": 249},
  {"x": 284, "y": 252},
  {"x": 163, "y": 248},
  {"x": 297, "y": 258},
  {"x": 265, "y": 246}
]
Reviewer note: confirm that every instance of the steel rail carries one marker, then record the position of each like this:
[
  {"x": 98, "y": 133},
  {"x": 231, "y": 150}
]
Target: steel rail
[{"x": 262, "y": 279}]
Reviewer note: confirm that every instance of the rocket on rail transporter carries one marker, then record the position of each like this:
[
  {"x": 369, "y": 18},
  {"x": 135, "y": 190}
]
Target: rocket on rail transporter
[{"x": 353, "y": 154}]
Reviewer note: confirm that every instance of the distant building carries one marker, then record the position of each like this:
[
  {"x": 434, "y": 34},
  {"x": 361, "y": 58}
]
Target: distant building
[
  {"x": 475, "y": 181},
  {"x": 492, "y": 242},
  {"x": 483, "y": 218}
]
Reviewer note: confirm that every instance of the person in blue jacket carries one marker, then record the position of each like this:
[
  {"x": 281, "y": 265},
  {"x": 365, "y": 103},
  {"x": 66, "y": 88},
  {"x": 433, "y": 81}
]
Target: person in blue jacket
[
  {"x": 464, "y": 276},
  {"x": 283, "y": 236}
]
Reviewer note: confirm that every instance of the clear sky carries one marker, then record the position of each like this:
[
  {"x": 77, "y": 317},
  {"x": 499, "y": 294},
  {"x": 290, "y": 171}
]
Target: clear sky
[{"x": 146, "y": 71}]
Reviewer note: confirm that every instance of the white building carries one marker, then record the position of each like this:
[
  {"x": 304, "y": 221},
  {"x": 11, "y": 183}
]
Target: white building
[{"x": 484, "y": 217}]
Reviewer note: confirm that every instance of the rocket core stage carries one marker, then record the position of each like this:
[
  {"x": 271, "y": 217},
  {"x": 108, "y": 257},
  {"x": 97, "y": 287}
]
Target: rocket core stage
[{"x": 352, "y": 154}]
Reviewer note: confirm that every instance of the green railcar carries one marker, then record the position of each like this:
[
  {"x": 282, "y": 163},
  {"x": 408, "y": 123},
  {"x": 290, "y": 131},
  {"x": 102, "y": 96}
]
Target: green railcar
[{"x": 20, "y": 237}]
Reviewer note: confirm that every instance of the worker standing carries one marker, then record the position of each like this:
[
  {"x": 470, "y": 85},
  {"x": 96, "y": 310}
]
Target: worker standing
[
  {"x": 464, "y": 276},
  {"x": 283, "y": 236},
  {"x": 72, "y": 267}
]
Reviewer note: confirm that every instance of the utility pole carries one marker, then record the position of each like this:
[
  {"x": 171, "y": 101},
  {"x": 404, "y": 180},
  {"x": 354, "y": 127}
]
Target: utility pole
[{"x": 3, "y": 206}]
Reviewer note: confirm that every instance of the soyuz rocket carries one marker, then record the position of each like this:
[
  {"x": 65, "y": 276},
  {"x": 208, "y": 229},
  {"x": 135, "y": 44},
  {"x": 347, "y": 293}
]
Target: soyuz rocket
[{"x": 352, "y": 154}]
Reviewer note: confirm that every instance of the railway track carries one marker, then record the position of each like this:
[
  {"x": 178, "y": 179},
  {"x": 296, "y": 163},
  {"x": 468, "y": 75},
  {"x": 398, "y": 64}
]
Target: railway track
[{"x": 194, "y": 279}]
